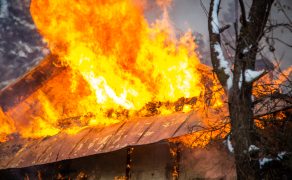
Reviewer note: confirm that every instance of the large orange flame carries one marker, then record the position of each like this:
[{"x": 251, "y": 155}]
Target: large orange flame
[
  {"x": 118, "y": 66},
  {"x": 126, "y": 62},
  {"x": 117, "y": 62}
]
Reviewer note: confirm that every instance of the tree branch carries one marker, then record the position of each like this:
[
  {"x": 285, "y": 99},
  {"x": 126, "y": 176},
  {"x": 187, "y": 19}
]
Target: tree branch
[
  {"x": 248, "y": 40},
  {"x": 243, "y": 16},
  {"x": 273, "y": 97},
  {"x": 284, "y": 12},
  {"x": 278, "y": 25},
  {"x": 283, "y": 42},
  {"x": 220, "y": 64},
  {"x": 272, "y": 112},
  {"x": 222, "y": 29}
]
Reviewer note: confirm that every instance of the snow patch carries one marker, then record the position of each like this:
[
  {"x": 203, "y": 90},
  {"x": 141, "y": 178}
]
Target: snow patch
[
  {"x": 245, "y": 50},
  {"x": 223, "y": 64},
  {"x": 265, "y": 160},
  {"x": 3, "y": 9},
  {"x": 251, "y": 75},
  {"x": 281, "y": 154},
  {"x": 240, "y": 81},
  {"x": 253, "y": 148},
  {"x": 215, "y": 21},
  {"x": 229, "y": 145}
]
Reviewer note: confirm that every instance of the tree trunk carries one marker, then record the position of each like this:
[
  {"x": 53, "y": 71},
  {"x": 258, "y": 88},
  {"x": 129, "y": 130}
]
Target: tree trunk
[
  {"x": 240, "y": 90},
  {"x": 241, "y": 114}
]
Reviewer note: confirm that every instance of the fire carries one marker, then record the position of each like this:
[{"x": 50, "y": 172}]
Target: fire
[
  {"x": 125, "y": 61},
  {"x": 7, "y": 126},
  {"x": 270, "y": 84},
  {"x": 269, "y": 87},
  {"x": 118, "y": 66}
]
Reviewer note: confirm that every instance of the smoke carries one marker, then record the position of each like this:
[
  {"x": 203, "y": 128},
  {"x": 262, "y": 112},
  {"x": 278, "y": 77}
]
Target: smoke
[
  {"x": 209, "y": 163},
  {"x": 190, "y": 14},
  {"x": 163, "y": 3}
]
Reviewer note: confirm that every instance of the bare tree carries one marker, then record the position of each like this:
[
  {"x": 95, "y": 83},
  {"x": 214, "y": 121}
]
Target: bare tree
[{"x": 238, "y": 78}]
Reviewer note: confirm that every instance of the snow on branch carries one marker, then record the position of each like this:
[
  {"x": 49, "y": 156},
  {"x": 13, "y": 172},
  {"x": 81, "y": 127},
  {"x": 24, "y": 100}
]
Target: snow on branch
[
  {"x": 224, "y": 65},
  {"x": 266, "y": 160},
  {"x": 215, "y": 20},
  {"x": 253, "y": 148},
  {"x": 251, "y": 75},
  {"x": 220, "y": 64},
  {"x": 229, "y": 145}
]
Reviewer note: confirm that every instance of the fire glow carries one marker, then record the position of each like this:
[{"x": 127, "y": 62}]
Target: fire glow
[
  {"x": 125, "y": 61},
  {"x": 117, "y": 64}
]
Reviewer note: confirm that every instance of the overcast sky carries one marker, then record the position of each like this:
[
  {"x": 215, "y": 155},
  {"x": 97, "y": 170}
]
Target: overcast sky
[{"x": 190, "y": 14}]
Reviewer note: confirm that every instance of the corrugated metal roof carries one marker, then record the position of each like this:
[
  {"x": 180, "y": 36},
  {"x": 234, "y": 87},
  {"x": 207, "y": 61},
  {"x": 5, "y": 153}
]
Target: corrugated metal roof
[{"x": 94, "y": 140}]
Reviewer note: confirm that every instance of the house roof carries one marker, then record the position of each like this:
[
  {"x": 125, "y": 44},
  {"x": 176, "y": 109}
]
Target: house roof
[{"x": 19, "y": 152}]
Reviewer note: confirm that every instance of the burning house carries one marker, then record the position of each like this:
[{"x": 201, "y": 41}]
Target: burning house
[{"x": 116, "y": 98}]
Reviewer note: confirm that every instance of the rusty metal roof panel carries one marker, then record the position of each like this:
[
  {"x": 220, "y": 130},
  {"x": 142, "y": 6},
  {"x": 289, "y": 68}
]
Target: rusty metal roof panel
[
  {"x": 162, "y": 128},
  {"x": 25, "y": 155},
  {"x": 68, "y": 144},
  {"x": 131, "y": 134},
  {"x": 191, "y": 121},
  {"x": 86, "y": 147},
  {"x": 94, "y": 140}
]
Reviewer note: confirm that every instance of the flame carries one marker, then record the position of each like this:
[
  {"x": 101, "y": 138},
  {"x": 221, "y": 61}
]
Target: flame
[
  {"x": 125, "y": 61},
  {"x": 213, "y": 126},
  {"x": 274, "y": 82},
  {"x": 118, "y": 66},
  {"x": 266, "y": 91},
  {"x": 7, "y": 126}
]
